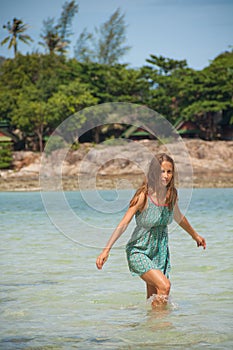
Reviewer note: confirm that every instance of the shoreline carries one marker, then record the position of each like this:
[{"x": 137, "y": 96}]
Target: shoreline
[
  {"x": 118, "y": 167},
  {"x": 106, "y": 182}
]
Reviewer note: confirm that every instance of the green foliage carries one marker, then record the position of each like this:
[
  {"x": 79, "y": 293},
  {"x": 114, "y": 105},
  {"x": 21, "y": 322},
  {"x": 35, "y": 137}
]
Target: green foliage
[
  {"x": 204, "y": 97},
  {"x": 165, "y": 77},
  {"x": 38, "y": 92},
  {"x": 69, "y": 99},
  {"x": 210, "y": 96},
  {"x": 166, "y": 65},
  {"x": 115, "y": 83},
  {"x": 6, "y": 156}
]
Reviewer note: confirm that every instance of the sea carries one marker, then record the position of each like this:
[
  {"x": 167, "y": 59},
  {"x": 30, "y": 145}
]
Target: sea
[{"x": 52, "y": 296}]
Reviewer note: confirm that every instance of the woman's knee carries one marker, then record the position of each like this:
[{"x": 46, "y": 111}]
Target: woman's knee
[
  {"x": 164, "y": 287},
  {"x": 158, "y": 281}
]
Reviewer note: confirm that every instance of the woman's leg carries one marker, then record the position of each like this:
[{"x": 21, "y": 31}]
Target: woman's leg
[
  {"x": 159, "y": 284},
  {"x": 150, "y": 290}
]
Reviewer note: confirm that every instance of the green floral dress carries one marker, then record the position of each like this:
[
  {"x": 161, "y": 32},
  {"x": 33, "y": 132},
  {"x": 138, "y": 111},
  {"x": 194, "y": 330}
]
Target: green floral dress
[{"x": 148, "y": 246}]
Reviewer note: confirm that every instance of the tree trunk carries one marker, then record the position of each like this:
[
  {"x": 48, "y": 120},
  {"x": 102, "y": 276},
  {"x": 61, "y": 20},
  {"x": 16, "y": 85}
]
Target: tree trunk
[
  {"x": 39, "y": 133},
  {"x": 97, "y": 134},
  {"x": 15, "y": 49}
]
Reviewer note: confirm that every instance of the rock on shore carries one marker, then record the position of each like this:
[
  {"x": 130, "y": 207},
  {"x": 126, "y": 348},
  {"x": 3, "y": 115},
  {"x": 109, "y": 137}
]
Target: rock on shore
[{"x": 121, "y": 165}]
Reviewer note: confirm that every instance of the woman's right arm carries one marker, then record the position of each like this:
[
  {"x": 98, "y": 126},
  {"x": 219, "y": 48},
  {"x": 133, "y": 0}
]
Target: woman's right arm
[{"x": 121, "y": 227}]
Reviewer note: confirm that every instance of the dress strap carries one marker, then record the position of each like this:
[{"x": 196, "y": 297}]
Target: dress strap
[{"x": 157, "y": 204}]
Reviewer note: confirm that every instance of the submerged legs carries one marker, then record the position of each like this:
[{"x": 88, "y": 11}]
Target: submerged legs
[{"x": 158, "y": 287}]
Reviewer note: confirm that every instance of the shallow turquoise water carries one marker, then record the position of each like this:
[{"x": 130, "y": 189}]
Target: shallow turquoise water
[{"x": 53, "y": 297}]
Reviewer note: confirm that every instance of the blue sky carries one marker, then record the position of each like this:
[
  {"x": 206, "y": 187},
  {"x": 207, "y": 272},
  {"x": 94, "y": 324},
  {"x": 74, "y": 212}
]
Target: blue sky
[{"x": 195, "y": 30}]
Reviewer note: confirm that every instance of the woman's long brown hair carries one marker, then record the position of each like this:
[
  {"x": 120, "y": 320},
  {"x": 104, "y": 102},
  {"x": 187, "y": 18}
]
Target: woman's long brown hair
[{"x": 152, "y": 183}]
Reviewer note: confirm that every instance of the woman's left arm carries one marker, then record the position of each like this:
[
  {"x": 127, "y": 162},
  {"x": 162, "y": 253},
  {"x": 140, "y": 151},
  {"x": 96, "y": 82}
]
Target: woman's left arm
[{"x": 183, "y": 222}]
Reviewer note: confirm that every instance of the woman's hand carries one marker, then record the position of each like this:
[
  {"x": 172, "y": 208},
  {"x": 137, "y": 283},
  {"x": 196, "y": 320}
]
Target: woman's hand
[
  {"x": 200, "y": 241},
  {"x": 102, "y": 258}
]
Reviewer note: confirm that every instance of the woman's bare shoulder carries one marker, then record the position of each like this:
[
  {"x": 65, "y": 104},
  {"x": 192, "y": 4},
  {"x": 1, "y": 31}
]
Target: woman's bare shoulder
[{"x": 142, "y": 201}]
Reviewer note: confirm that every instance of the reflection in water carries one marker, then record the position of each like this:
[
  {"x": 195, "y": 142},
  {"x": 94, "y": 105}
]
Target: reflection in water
[{"x": 157, "y": 317}]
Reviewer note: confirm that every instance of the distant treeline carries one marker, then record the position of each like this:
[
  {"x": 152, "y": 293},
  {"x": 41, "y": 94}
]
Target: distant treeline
[{"x": 39, "y": 91}]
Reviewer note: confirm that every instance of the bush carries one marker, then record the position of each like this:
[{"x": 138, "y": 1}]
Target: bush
[{"x": 6, "y": 155}]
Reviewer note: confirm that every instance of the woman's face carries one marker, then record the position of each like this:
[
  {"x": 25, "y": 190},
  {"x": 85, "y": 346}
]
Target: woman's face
[{"x": 166, "y": 172}]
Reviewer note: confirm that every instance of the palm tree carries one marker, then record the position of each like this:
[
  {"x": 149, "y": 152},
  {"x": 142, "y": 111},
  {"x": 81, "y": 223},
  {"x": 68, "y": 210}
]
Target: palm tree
[
  {"x": 52, "y": 41},
  {"x": 15, "y": 29}
]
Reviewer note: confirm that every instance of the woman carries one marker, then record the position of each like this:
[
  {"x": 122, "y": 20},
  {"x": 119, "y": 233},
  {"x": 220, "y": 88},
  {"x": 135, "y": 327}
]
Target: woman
[{"x": 154, "y": 206}]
